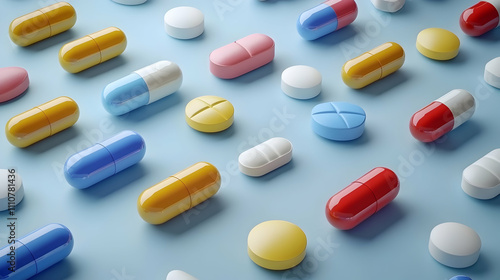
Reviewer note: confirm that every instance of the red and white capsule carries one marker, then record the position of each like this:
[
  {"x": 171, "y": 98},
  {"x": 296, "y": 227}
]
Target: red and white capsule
[
  {"x": 443, "y": 115},
  {"x": 481, "y": 18}
]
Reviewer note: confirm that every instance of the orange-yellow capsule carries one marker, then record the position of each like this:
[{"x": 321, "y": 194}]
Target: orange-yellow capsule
[
  {"x": 42, "y": 24},
  {"x": 42, "y": 121},
  {"x": 178, "y": 193},
  {"x": 92, "y": 49},
  {"x": 373, "y": 65}
]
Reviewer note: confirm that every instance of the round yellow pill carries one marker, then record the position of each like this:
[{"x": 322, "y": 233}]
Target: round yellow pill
[
  {"x": 209, "y": 114},
  {"x": 438, "y": 43},
  {"x": 277, "y": 245}
]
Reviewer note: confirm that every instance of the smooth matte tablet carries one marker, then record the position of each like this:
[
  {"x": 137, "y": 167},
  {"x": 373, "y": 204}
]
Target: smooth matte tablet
[
  {"x": 339, "y": 121},
  {"x": 209, "y": 114},
  {"x": 492, "y": 72},
  {"x": 184, "y": 22},
  {"x": 179, "y": 275},
  {"x": 454, "y": 245},
  {"x": 130, "y": 2},
  {"x": 11, "y": 188},
  {"x": 438, "y": 43},
  {"x": 277, "y": 245},
  {"x": 265, "y": 157},
  {"x": 390, "y": 6},
  {"x": 301, "y": 82},
  {"x": 14, "y": 81},
  {"x": 482, "y": 178}
]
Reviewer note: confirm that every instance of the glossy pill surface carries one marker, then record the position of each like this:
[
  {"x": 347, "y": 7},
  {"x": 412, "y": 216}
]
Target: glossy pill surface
[
  {"x": 480, "y": 18},
  {"x": 92, "y": 49},
  {"x": 36, "y": 252},
  {"x": 265, "y": 157},
  {"x": 42, "y": 24},
  {"x": 373, "y": 65},
  {"x": 184, "y": 22},
  {"x": 11, "y": 189},
  {"x": 301, "y": 82},
  {"x": 42, "y": 121},
  {"x": 339, "y": 121},
  {"x": 492, "y": 72},
  {"x": 142, "y": 87},
  {"x": 130, "y": 2},
  {"x": 460, "y": 277},
  {"x": 482, "y": 178},
  {"x": 178, "y": 193},
  {"x": 454, "y": 245},
  {"x": 390, "y": 6},
  {"x": 14, "y": 81},
  {"x": 277, "y": 245},
  {"x": 326, "y": 18},
  {"x": 242, "y": 56},
  {"x": 209, "y": 114},
  {"x": 442, "y": 116},
  {"x": 438, "y": 44},
  {"x": 104, "y": 159},
  {"x": 362, "y": 198},
  {"x": 179, "y": 275}
]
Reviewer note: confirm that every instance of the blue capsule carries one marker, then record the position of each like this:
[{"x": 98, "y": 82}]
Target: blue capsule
[{"x": 104, "y": 159}]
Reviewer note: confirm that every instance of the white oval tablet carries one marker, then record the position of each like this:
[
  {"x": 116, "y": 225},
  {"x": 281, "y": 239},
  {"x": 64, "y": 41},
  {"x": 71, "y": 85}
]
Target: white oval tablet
[
  {"x": 301, "y": 82},
  {"x": 482, "y": 178},
  {"x": 390, "y": 6},
  {"x": 179, "y": 275},
  {"x": 265, "y": 157},
  {"x": 492, "y": 72},
  {"x": 455, "y": 245},
  {"x": 10, "y": 180},
  {"x": 184, "y": 22},
  {"x": 130, "y": 2}
]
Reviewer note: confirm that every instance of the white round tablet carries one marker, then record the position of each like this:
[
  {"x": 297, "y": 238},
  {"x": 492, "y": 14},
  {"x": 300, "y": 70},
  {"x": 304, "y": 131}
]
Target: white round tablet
[
  {"x": 11, "y": 189},
  {"x": 492, "y": 72},
  {"x": 179, "y": 275},
  {"x": 390, "y": 6},
  {"x": 130, "y": 2},
  {"x": 184, "y": 22},
  {"x": 455, "y": 245},
  {"x": 301, "y": 82}
]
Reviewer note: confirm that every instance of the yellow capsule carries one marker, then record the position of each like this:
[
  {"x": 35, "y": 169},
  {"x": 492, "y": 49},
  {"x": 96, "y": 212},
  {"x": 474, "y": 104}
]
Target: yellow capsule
[
  {"x": 42, "y": 24},
  {"x": 92, "y": 49},
  {"x": 209, "y": 114},
  {"x": 42, "y": 121},
  {"x": 178, "y": 193},
  {"x": 373, "y": 65}
]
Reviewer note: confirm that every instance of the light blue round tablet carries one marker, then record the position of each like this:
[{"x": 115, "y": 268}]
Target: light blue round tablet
[
  {"x": 339, "y": 121},
  {"x": 460, "y": 277}
]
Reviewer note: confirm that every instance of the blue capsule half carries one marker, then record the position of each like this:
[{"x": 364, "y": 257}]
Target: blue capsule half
[
  {"x": 104, "y": 159},
  {"x": 35, "y": 252}
]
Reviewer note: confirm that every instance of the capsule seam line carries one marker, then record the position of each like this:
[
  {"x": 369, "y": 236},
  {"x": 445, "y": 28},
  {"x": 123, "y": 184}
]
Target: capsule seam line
[
  {"x": 50, "y": 124},
  {"x": 187, "y": 189},
  {"x": 100, "y": 52},
  {"x": 110, "y": 154},
  {"x": 32, "y": 256},
  {"x": 48, "y": 20},
  {"x": 381, "y": 66},
  {"x": 374, "y": 196}
]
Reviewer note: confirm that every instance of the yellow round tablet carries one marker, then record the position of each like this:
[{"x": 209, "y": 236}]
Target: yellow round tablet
[
  {"x": 209, "y": 114},
  {"x": 277, "y": 245},
  {"x": 438, "y": 43}
]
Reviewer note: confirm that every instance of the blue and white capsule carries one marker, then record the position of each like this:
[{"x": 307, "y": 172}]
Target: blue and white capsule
[
  {"x": 35, "y": 252},
  {"x": 326, "y": 18},
  {"x": 104, "y": 159},
  {"x": 142, "y": 87}
]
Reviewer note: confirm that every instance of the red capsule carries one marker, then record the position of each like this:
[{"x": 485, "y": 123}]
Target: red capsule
[
  {"x": 362, "y": 198},
  {"x": 480, "y": 18}
]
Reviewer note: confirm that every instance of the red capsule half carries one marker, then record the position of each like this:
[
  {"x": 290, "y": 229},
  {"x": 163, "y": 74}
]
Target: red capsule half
[
  {"x": 480, "y": 18},
  {"x": 362, "y": 198}
]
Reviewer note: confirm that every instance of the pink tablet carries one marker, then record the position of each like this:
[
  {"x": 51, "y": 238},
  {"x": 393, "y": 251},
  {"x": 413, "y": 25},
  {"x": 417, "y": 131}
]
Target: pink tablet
[
  {"x": 242, "y": 56},
  {"x": 13, "y": 82}
]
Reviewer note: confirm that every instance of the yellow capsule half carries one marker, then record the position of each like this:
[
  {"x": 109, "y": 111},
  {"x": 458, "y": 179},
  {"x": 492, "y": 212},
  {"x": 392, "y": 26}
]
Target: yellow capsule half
[
  {"x": 178, "y": 193},
  {"x": 42, "y": 121},
  {"x": 373, "y": 65},
  {"x": 92, "y": 49},
  {"x": 42, "y": 24}
]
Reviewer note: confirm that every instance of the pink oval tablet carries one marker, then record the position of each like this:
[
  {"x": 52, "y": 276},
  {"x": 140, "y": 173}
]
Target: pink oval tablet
[
  {"x": 13, "y": 82},
  {"x": 242, "y": 56}
]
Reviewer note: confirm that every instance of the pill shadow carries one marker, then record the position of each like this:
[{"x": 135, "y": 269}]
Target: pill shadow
[
  {"x": 217, "y": 136},
  {"x": 494, "y": 202},
  {"x": 59, "y": 39},
  {"x": 101, "y": 68},
  {"x": 116, "y": 182},
  {"x": 363, "y": 139},
  {"x": 492, "y": 36},
  {"x": 381, "y": 86},
  {"x": 193, "y": 217},
  {"x": 336, "y": 37},
  {"x": 482, "y": 266},
  {"x": 64, "y": 269},
  {"x": 378, "y": 222},
  {"x": 458, "y": 137},
  {"x": 52, "y": 141},
  {"x": 152, "y": 109},
  {"x": 16, "y": 98},
  {"x": 255, "y": 75},
  {"x": 275, "y": 173}
]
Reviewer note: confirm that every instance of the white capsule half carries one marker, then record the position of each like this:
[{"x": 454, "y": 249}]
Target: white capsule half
[
  {"x": 265, "y": 157},
  {"x": 179, "y": 275},
  {"x": 482, "y": 178}
]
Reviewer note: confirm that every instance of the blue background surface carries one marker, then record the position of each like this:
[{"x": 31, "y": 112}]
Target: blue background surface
[{"x": 209, "y": 242}]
